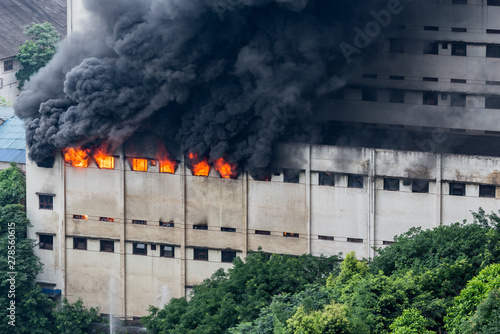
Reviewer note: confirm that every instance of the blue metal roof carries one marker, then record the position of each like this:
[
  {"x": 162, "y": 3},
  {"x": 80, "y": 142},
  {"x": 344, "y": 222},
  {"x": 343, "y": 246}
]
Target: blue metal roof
[{"x": 13, "y": 141}]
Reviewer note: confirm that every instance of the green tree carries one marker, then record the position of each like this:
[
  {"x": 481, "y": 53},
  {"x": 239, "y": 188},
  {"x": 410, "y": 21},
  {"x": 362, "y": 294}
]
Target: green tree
[
  {"x": 332, "y": 319},
  {"x": 4, "y": 102},
  {"x": 76, "y": 318},
  {"x": 36, "y": 52},
  {"x": 487, "y": 318},
  {"x": 349, "y": 268},
  {"x": 410, "y": 322}
]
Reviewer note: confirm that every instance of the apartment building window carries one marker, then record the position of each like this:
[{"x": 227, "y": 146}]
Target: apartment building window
[
  {"x": 493, "y": 51},
  {"x": 325, "y": 237},
  {"x": 290, "y": 235},
  {"x": 262, "y": 232},
  {"x": 430, "y": 98},
  {"x": 228, "y": 256},
  {"x": 355, "y": 181},
  {"x": 487, "y": 191},
  {"x": 493, "y": 2},
  {"x": 201, "y": 254},
  {"x": 431, "y": 28},
  {"x": 326, "y": 179},
  {"x": 369, "y": 94},
  {"x": 459, "y": 29},
  {"x": 167, "y": 224},
  {"x": 492, "y": 102},
  {"x": 457, "y": 189},
  {"x": 8, "y": 65},
  {"x": 493, "y": 31},
  {"x": 397, "y": 96},
  {"x": 139, "y": 222},
  {"x": 291, "y": 175},
  {"x": 459, "y": 49},
  {"x": 46, "y": 202},
  {"x": 431, "y": 48},
  {"x": 46, "y": 241},
  {"x": 355, "y": 240},
  {"x": 391, "y": 184},
  {"x": 167, "y": 251},
  {"x": 396, "y": 45},
  {"x": 388, "y": 243},
  {"x": 107, "y": 246},
  {"x": 106, "y": 219},
  {"x": 396, "y": 77},
  {"x": 200, "y": 227},
  {"x": 82, "y": 217},
  {"x": 80, "y": 243},
  {"x": 458, "y": 100},
  {"x": 139, "y": 249},
  {"x": 139, "y": 165},
  {"x": 459, "y": 2},
  {"x": 430, "y": 79},
  {"x": 420, "y": 186},
  {"x": 228, "y": 229},
  {"x": 461, "y": 81}
]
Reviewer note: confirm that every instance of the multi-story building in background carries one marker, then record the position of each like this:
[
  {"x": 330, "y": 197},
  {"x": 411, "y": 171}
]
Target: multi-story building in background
[{"x": 126, "y": 235}]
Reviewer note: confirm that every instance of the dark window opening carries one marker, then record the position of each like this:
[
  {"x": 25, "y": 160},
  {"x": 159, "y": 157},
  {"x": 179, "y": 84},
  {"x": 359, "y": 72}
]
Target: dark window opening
[
  {"x": 8, "y": 65},
  {"x": 396, "y": 77},
  {"x": 46, "y": 241},
  {"x": 326, "y": 179},
  {"x": 430, "y": 79},
  {"x": 140, "y": 249},
  {"x": 369, "y": 94},
  {"x": 487, "y": 191},
  {"x": 459, "y": 49},
  {"x": 388, "y": 242},
  {"x": 492, "y": 102},
  {"x": 493, "y": 51},
  {"x": 228, "y": 229},
  {"x": 80, "y": 243},
  {"x": 201, "y": 254},
  {"x": 457, "y": 189},
  {"x": 397, "y": 96},
  {"x": 46, "y": 202},
  {"x": 153, "y": 247},
  {"x": 420, "y": 186},
  {"x": 106, "y": 219},
  {"x": 355, "y": 240},
  {"x": 167, "y": 251},
  {"x": 431, "y": 48},
  {"x": 444, "y": 45},
  {"x": 493, "y": 2},
  {"x": 396, "y": 45},
  {"x": 355, "y": 181},
  {"x": 83, "y": 217},
  {"x": 167, "y": 224},
  {"x": 107, "y": 246},
  {"x": 290, "y": 235},
  {"x": 462, "y": 81},
  {"x": 459, "y": 2},
  {"x": 431, "y": 28},
  {"x": 459, "y": 29},
  {"x": 291, "y": 175},
  {"x": 458, "y": 100},
  {"x": 325, "y": 237},
  {"x": 228, "y": 256},
  {"x": 200, "y": 227},
  {"x": 391, "y": 184},
  {"x": 493, "y": 31},
  {"x": 139, "y": 222},
  {"x": 262, "y": 232},
  {"x": 430, "y": 98}
]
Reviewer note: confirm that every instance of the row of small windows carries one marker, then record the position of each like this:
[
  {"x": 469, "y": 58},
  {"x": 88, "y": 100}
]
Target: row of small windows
[
  {"x": 397, "y": 45},
  {"x": 464, "y": 2}
]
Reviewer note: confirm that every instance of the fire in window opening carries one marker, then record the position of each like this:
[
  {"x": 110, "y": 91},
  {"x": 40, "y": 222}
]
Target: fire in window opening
[
  {"x": 226, "y": 169},
  {"x": 167, "y": 224},
  {"x": 76, "y": 157},
  {"x": 139, "y": 164},
  {"x": 106, "y": 219},
  {"x": 290, "y": 235},
  {"x": 107, "y": 246},
  {"x": 167, "y": 164},
  {"x": 82, "y": 217},
  {"x": 198, "y": 166},
  {"x": 103, "y": 160}
]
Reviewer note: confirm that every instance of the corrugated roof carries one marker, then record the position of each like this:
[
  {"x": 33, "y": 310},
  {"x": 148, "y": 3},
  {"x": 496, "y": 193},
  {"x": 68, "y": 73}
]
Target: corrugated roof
[
  {"x": 13, "y": 134},
  {"x": 16, "y": 14},
  {"x": 9, "y": 155},
  {"x": 6, "y": 112}
]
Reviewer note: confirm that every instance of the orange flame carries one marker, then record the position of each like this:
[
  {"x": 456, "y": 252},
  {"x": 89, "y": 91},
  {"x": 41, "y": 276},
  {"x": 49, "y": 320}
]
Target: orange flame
[
  {"x": 199, "y": 167},
  {"x": 103, "y": 160},
  {"x": 140, "y": 165},
  {"x": 226, "y": 169},
  {"x": 167, "y": 165},
  {"x": 76, "y": 157}
]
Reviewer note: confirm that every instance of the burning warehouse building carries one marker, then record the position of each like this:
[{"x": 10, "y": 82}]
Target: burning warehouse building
[{"x": 166, "y": 138}]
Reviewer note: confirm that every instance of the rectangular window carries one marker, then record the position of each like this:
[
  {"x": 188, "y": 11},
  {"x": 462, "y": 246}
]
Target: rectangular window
[
  {"x": 290, "y": 235},
  {"x": 420, "y": 186},
  {"x": 46, "y": 202},
  {"x": 106, "y": 219},
  {"x": 493, "y": 2},
  {"x": 291, "y": 175},
  {"x": 200, "y": 227},
  {"x": 397, "y": 96},
  {"x": 459, "y": 49},
  {"x": 8, "y": 65},
  {"x": 228, "y": 256},
  {"x": 355, "y": 181},
  {"x": 487, "y": 191},
  {"x": 431, "y": 48},
  {"x": 228, "y": 229},
  {"x": 167, "y": 224},
  {"x": 459, "y": 2},
  {"x": 458, "y": 100},
  {"x": 369, "y": 94},
  {"x": 262, "y": 232},
  {"x": 139, "y": 165},
  {"x": 457, "y": 189},
  {"x": 391, "y": 184},
  {"x": 82, "y": 217},
  {"x": 200, "y": 254},
  {"x": 355, "y": 240},
  {"x": 430, "y": 79},
  {"x": 462, "y": 81},
  {"x": 493, "y": 51},
  {"x": 396, "y": 45},
  {"x": 80, "y": 243},
  {"x": 493, "y": 31},
  {"x": 492, "y": 102},
  {"x": 167, "y": 251},
  {"x": 430, "y": 98},
  {"x": 431, "y": 28},
  {"x": 388, "y": 243},
  {"x": 139, "y": 222},
  {"x": 46, "y": 241},
  {"x": 326, "y": 179},
  {"x": 140, "y": 248},
  {"x": 325, "y": 237},
  {"x": 459, "y": 29},
  {"x": 396, "y": 77},
  {"x": 107, "y": 246}
]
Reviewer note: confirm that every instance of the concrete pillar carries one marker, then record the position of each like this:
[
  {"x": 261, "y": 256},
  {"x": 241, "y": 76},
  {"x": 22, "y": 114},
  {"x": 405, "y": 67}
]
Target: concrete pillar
[
  {"x": 439, "y": 195},
  {"x": 183, "y": 269},
  {"x": 245, "y": 212},
  {"x": 63, "y": 226},
  {"x": 123, "y": 236},
  {"x": 308, "y": 199},
  {"x": 371, "y": 203}
]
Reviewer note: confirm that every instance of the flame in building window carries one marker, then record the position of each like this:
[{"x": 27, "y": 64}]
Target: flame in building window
[
  {"x": 199, "y": 166},
  {"x": 103, "y": 160},
  {"x": 167, "y": 165},
  {"x": 226, "y": 169},
  {"x": 76, "y": 157},
  {"x": 140, "y": 165}
]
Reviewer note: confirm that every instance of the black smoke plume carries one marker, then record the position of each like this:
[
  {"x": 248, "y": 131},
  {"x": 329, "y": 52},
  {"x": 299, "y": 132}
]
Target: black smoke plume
[{"x": 217, "y": 77}]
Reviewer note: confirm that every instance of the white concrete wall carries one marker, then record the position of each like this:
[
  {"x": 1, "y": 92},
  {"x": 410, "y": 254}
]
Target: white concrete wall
[{"x": 8, "y": 81}]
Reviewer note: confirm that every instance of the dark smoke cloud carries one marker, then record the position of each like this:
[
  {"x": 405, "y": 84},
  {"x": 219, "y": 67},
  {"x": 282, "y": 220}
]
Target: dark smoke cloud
[{"x": 219, "y": 77}]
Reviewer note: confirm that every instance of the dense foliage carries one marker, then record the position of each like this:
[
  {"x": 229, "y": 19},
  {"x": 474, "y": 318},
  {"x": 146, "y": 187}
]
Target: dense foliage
[
  {"x": 446, "y": 278},
  {"x": 36, "y": 52}
]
